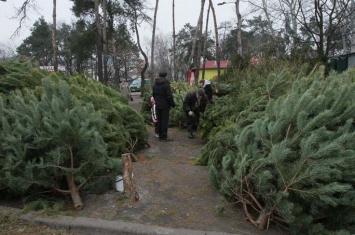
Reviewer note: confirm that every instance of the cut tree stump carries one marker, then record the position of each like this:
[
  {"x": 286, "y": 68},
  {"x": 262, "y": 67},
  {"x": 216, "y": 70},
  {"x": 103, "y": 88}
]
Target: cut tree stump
[
  {"x": 129, "y": 189},
  {"x": 74, "y": 192}
]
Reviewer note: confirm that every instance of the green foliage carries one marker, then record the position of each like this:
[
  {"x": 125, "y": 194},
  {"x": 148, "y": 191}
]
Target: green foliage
[
  {"x": 221, "y": 206},
  {"x": 177, "y": 115},
  {"x": 39, "y": 44},
  {"x": 214, "y": 150},
  {"x": 243, "y": 94},
  {"x": 47, "y": 205},
  {"x": 214, "y": 176},
  {"x": 45, "y": 139},
  {"x": 295, "y": 160},
  {"x": 146, "y": 104},
  {"x": 59, "y": 126},
  {"x": 19, "y": 73},
  {"x": 124, "y": 126},
  {"x": 82, "y": 43}
]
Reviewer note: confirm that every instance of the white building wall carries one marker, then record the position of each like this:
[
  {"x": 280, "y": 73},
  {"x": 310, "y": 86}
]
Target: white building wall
[{"x": 351, "y": 61}]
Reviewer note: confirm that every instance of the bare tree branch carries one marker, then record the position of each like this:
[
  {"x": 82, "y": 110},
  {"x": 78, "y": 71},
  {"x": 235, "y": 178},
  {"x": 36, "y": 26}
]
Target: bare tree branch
[{"x": 22, "y": 14}]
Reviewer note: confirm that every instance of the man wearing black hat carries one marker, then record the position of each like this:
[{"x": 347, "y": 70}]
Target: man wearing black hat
[
  {"x": 195, "y": 102},
  {"x": 163, "y": 101}
]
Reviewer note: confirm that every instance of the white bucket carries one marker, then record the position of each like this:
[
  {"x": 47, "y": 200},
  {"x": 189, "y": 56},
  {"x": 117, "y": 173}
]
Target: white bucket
[{"x": 119, "y": 183}]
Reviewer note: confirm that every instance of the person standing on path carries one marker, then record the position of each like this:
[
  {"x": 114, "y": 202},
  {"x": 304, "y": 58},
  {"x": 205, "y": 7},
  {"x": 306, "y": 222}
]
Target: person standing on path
[
  {"x": 194, "y": 103},
  {"x": 163, "y": 101},
  {"x": 124, "y": 87}
]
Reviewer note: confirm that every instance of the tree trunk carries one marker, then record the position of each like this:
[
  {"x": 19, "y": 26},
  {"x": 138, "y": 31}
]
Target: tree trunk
[
  {"x": 294, "y": 23},
  {"x": 239, "y": 30},
  {"x": 174, "y": 44},
  {"x": 98, "y": 42},
  {"x": 74, "y": 192},
  {"x": 129, "y": 189},
  {"x": 217, "y": 42},
  {"x": 104, "y": 40},
  {"x": 141, "y": 50},
  {"x": 199, "y": 25},
  {"x": 199, "y": 46},
  {"x": 267, "y": 15},
  {"x": 115, "y": 64},
  {"x": 152, "y": 68},
  {"x": 263, "y": 219},
  {"x": 54, "y": 36},
  {"x": 205, "y": 42}
]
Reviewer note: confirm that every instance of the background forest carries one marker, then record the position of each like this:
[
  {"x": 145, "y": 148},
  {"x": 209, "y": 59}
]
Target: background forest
[
  {"x": 105, "y": 39},
  {"x": 278, "y": 137}
]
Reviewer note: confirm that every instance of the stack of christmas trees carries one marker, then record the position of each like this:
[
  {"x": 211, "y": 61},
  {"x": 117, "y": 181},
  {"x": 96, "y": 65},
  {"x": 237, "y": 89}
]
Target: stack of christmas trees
[
  {"x": 295, "y": 163},
  {"x": 60, "y": 134}
]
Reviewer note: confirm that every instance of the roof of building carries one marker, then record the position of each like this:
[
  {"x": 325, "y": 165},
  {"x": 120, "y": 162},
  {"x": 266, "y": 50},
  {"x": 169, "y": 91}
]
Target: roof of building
[
  {"x": 212, "y": 64},
  {"x": 342, "y": 56}
]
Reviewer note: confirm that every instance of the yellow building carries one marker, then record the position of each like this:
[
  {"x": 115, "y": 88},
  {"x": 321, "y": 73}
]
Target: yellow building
[{"x": 211, "y": 68}]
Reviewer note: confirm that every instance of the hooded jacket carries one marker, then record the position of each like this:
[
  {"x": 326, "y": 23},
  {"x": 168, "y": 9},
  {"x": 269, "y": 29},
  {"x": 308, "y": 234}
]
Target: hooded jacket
[{"x": 162, "y": 94}]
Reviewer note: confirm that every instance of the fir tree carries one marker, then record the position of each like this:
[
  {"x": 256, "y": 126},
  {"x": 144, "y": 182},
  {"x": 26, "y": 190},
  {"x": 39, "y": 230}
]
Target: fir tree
[
  {"x": 123, "y": 125},
  {"x": 51, "y": 140},
  {"x": 295, "y": 164},
  {"x": 243, "y": 94},
  {"x": 61, "y": 133}
]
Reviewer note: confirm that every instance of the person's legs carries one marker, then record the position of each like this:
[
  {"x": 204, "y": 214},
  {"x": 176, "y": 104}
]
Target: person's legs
[
  {"x": 190, "y": 123},
  {"x": 196, "y": 120},
  {"x": 164, "y": 124},
  {"x": 158, "y": 127}
]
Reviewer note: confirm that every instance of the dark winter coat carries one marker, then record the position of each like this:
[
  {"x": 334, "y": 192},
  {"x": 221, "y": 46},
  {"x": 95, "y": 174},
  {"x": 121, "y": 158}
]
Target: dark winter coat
[
  {"x": 208, "y": 89},
  {"x": 209, "y": 92},
  {"x": 162, "y": 94},
  {"x": 191, "y": 102}
]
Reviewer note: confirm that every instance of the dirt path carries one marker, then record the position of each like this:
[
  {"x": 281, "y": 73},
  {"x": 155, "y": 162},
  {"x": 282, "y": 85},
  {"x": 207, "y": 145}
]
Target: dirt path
[{"x": 173, "y": 191}]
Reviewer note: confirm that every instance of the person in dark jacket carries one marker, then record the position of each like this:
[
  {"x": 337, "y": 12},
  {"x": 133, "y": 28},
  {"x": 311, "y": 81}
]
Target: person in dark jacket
[
  {"x": 206, "y": 85},
  {"x": 194, "y": 103},
  {"x": 163, "y": 101}
]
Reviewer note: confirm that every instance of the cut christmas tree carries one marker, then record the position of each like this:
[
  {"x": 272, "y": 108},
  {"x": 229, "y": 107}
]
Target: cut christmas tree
[
  {"x": 294, "y": 165},
  {"x": 61, "y": 134}
]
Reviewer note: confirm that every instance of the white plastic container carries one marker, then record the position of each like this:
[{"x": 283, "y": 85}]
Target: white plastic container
[{"x": 119, "y": 183}]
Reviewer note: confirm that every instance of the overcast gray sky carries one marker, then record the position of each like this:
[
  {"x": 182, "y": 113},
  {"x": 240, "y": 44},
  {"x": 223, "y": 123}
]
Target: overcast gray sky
[{"x": 186, "y": 11}]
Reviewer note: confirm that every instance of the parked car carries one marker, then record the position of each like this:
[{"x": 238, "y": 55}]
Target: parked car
[{"x": 136, "y": 84}]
